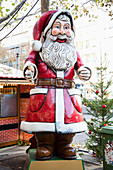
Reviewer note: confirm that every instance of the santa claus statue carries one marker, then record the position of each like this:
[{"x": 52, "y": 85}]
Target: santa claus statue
[{"x": 54, "y": 113}]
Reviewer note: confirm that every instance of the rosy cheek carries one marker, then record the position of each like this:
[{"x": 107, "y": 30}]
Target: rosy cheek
[
  {"x": 54, "y": 31},
  {"x": 68, "y": 32}
]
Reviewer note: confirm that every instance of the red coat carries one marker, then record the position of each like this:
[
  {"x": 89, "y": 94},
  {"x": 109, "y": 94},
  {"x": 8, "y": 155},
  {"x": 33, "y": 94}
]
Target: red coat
[{"x": 46, "y": 106}]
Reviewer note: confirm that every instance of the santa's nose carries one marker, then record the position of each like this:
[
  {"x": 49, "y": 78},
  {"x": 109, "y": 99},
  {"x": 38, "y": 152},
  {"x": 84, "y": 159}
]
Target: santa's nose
[{"x": 62, "y": 30}]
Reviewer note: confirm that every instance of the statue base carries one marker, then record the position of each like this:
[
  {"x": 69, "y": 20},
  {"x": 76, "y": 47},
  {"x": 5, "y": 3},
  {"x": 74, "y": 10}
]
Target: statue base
[{"x": 55, "y": 163}]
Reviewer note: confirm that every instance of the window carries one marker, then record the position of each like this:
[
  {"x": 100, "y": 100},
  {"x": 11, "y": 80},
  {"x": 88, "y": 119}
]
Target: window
[
  {"x": 87, "y": 44},
  {"x": 79, "y": 45},
  {"x": 8, "y": 102}
]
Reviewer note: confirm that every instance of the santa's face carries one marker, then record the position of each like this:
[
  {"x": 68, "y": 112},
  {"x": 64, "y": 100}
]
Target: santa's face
[
  {"x": 62, "y": 27},
  {"x": 58, "y": 50}
]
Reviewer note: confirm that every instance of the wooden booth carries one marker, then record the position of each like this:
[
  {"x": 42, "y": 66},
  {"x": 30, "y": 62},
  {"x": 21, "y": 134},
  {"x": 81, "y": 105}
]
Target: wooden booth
[{"x": 14, "y": 98}]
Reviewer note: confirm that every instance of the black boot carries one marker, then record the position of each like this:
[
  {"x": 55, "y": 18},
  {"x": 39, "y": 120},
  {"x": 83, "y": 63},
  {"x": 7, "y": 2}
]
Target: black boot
[
  {"x": 45, "y": 145},
  {"x": 63, "y": 145}
]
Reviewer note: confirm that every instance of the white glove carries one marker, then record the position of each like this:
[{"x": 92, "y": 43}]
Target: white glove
[
  {"x": 84, "y": 73},
  {"x": 29, "y": 73},
  {"x": 30, "y": 70}
]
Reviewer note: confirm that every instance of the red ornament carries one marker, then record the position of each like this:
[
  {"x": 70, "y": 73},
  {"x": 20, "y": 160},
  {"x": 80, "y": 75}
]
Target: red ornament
[
  {"x": 89, "y": 132},
  {"x": 105, "y": 124},
  {"x": 85, "y": 104},
  {"x": 97, "y": 91},
  {"x": 104, "y": 106}
]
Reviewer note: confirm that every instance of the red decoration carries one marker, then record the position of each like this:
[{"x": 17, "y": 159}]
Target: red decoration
[
  {"x": 104, "y": 106},
  {"x": 85, "y": 104},
  {"x": 97, "y": 91},
  {"x": 105, "y": 124},
  {"x": 89, "y": 132}
]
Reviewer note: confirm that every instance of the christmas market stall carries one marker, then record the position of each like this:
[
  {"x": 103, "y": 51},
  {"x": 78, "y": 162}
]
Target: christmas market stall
[{"x": 14, "y": 98}]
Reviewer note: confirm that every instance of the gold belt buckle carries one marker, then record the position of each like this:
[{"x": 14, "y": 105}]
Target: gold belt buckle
[{"x": 59, "y": 82}]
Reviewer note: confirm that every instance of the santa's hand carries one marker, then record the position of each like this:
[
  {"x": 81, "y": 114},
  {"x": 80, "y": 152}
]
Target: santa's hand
[
  {"x": 30, "y": 70},
  {"x": 29, "y": 73},
  {"x": 84, "y": 73}
]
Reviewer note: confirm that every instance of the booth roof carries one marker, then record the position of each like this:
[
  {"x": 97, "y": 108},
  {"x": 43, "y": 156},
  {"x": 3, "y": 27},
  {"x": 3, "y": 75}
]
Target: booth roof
[
  {"x": 10, "y": 75},
  {"x": 10, "y": 72}
]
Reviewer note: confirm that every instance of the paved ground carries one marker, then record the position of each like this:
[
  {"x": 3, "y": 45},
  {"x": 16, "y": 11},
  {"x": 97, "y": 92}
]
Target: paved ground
[{"x": 14, "y": 158}]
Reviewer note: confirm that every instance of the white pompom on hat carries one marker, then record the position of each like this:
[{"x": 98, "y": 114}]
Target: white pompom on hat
[
  {"x": 44, "y": 24},
  {"x": 36, "y": 45}
]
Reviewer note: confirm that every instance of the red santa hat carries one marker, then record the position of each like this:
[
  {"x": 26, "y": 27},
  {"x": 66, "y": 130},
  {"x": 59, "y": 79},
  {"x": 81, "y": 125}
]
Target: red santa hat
[{"x": 44, "y": 24}]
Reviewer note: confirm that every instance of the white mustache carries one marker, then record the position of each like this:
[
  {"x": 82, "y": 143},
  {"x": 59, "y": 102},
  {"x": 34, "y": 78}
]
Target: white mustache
[{"x": 60, "y": 36}]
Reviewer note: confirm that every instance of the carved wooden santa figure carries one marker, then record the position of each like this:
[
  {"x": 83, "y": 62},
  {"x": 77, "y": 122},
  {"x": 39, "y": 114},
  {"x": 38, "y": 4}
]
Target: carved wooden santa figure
[{"x": 54, "y": 113}]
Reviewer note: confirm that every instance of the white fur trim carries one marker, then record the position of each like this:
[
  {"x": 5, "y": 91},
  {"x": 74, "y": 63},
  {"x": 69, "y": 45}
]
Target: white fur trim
[
  {"x": 51, "y": 127},
  {"x": 37, "y": 127},
  {"x": 71, "y": 128},
  {"x": 59, "y": 101},
  {"x": 38, "y": 90},
  {"x": 53, "y": 19},
  {"x": 36, "y": 45},
  {"x": 29, "y": 63},
  {"x": 59, "y": 105},
  {"x": 74, "y": 92},
  {"x": 60, "y": 74}
]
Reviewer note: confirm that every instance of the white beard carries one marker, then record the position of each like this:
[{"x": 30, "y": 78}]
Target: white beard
[{"x": 59, "y": 56}]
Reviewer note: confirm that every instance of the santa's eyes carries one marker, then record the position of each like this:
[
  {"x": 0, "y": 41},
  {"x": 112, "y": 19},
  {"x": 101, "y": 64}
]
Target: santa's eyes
[
  {"x": 57, "y": 26},
  {"x": 64, "y": 27}
]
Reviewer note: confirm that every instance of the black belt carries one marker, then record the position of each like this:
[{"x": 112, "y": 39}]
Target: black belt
[{"x": 57, "y": 82}]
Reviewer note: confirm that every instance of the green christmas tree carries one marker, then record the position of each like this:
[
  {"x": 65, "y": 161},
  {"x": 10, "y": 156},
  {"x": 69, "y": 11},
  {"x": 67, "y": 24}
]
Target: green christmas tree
[{"x": 101, "y": 110}]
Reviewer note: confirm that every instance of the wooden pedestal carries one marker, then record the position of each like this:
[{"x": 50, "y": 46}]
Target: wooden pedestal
[{"x": 55, "y": 163}]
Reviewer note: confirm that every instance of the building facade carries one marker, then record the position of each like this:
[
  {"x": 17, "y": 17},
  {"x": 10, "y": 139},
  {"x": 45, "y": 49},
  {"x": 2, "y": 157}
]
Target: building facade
[{"x": 94, "y": 41}]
